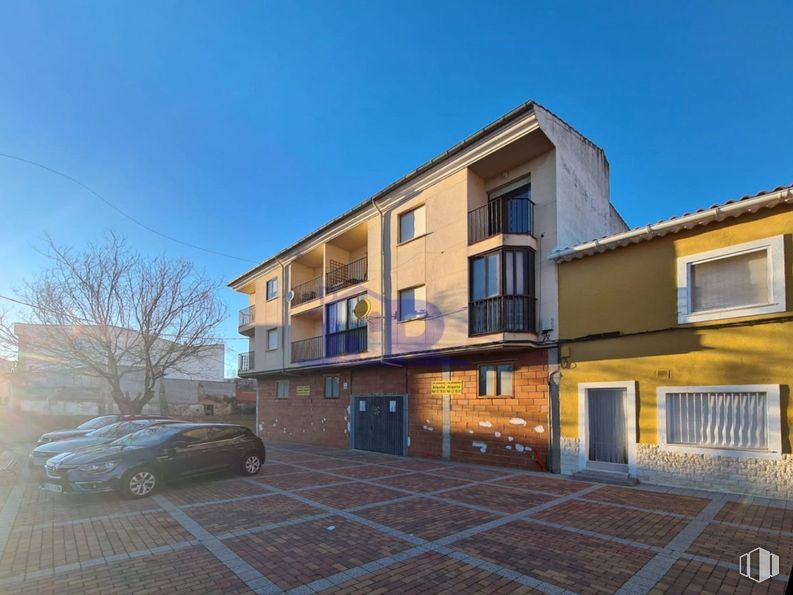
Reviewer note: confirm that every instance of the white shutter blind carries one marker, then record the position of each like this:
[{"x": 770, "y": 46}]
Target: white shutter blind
[
  {"x": 740, "y": 280},
  {"x": 718, "y": 419}
]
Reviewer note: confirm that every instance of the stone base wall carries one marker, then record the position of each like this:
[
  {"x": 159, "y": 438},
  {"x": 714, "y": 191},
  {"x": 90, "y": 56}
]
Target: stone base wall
[
  {"x": 772, "y": 478},
  {"x": 569, "y": 458},
  {"x": 762, "y": 477}
]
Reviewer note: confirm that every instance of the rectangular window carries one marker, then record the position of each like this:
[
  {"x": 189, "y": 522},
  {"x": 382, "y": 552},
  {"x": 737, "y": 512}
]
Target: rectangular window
[
  {"x": 413, "y": 303},
  {"x": 272, "y": 339},
  {"x": 272, "y": 288},
  {"x": 712, "y": 419},
  {"x": 502, "y": 292},
  {"x": 341, "y": 315},
  {"x": 412, "y": 224},
  {"x": 739, "y": 280},
  {"x": 332, "y": 387},
  {"x": 282, "y": 389},
  {"x": 495, "y": 380}
]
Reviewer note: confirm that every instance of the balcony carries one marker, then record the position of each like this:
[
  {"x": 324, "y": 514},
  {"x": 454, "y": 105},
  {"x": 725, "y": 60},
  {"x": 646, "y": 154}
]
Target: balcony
[
  {"x": 246, "y": 361},
  {"x": 503, "y": 313},
  {"x": 345, "y": 275},
  {"x": 502, "y": 215},
  {"x": 346, "y": 342},
  {"x": 247, "y": 318},
  {"x": 307, "y": 349},
  {"x": 305, "y": 292}
]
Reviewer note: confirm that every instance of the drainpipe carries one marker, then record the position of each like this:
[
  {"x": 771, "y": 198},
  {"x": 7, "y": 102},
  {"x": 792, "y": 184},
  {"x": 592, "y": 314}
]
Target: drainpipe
[
  {"x": 284, "y": 314},
  {"x": 382, "y": 284}
]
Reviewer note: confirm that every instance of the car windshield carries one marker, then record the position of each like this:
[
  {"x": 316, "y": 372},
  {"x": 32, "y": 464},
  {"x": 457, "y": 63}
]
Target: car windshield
[
  {"x": 146, "y": 437},
  {"x": 97, "y": 422},
  {"x": 116, "y": 430}
]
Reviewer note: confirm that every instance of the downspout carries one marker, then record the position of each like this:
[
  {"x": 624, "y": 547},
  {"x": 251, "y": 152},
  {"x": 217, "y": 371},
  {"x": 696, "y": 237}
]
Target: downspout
[
  {"x": 382, "y": 285},
  {"x": 284, "y": 314}
]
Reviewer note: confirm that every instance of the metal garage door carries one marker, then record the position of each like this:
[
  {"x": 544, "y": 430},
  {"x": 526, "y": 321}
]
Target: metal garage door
[{"x": 379, "y": 424}]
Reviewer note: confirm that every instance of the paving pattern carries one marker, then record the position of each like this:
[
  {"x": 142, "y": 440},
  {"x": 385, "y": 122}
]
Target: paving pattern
[{"x": 337, "y": 521}]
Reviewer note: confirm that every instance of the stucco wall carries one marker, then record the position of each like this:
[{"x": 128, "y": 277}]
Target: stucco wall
[{"x": 633, "y": 291}]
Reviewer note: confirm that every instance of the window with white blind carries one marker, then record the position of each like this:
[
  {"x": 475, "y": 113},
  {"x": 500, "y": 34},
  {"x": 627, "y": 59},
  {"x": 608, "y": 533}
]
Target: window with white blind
[
  {"x": 739, "y": 280},
  {"x": 720, "y": 420}
]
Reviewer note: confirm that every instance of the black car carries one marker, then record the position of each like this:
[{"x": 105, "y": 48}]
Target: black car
[
  {"x": 90, "y": 426},
  {"x": 44, "y": 452},
  {"x": 139, "y": 463}
]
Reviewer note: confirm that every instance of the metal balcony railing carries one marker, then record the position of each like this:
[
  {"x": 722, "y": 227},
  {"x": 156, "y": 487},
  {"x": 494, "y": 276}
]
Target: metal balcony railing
[
  {"x": 246, "y": 361},
  {"x": 502, "y": 313},
  {"x": 502, "y": 215},
  {"x": 247, "y": 316},
  {"x": 345, "y": 275},
  {"x": 307, "y": 349},
  {"x": 344, "y": 342},
  {"x": 305, "y": 292}
]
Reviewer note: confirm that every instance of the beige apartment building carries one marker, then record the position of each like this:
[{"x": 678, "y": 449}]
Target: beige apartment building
[{"x": 423, "y": 321}]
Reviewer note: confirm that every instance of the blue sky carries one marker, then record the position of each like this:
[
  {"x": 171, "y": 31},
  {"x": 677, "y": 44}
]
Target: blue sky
[{"x": 242, "y": 126}]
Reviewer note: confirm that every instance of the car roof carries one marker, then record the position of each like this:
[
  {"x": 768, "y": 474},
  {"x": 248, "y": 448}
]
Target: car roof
[{"x": 186, "y": 425}]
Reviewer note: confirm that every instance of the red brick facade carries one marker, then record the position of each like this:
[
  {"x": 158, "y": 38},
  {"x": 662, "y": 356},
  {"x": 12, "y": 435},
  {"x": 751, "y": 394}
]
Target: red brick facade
[{"x": 498, "y": 431}]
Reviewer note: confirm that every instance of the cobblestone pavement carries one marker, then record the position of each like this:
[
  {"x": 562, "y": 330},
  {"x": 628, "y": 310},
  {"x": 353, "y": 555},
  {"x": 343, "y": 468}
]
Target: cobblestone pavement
[{"x": 339, "y": 521}]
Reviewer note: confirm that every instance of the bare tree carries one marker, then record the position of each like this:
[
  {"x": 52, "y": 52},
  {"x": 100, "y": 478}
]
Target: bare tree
[
  {"x": 109, "y": 313},
  {"x": 8, "y": 339}
]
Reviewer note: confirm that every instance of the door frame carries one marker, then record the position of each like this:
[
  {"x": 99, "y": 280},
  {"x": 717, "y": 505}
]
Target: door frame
[
  {"x": 352, "y": 412},
  {"x": 630, "y": 420}
]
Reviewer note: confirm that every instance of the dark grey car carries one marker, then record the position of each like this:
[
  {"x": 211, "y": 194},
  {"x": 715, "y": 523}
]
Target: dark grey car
[{"x": 104, "y": 435}]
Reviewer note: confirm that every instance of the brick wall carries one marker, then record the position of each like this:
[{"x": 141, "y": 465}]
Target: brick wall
[{"x": 497, "y": 431}]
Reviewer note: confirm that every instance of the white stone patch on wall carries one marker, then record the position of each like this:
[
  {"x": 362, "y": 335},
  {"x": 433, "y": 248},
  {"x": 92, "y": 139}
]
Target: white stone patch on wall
[
  {"x": 428, "y": 421},
  {"x": 771, "y": 478},
  {"x": 519, "y": 447},
  {"x": 510, "y": 438},
  {"x": 498, "y": 434},
  {"x": 539, "y": 429},
  {"x": 517, "y": 421},
  {"x": 508, "y": 447},
  {"x": 485, "y": 424},
  {"x": 470, "y": 431},
  {"x": 480, "y": 445},
  {"x": 428, "y": 428}
]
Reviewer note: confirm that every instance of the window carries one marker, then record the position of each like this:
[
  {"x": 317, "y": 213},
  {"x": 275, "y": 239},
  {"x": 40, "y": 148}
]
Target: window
[
  {"x": 495, "y": 380},
  {"x": 332, "y": 387},
  {"x": 194, "y": 436},
  {"x": 230, "y": 433},
  {"x": 502, "y": 292},
  {"x": 346, "y": 333},
  {"x": 720, "y": 420},
  {"x": 282, "y": 389},
  {"x": 272, "y": 339},
  {"x": 413, "y": 303},
  {"x": 272, "y": 288},
  {"x": 412, "y": 224},
  {"x": 341, "y": 315},
  {"x": 740, "y": 280}
]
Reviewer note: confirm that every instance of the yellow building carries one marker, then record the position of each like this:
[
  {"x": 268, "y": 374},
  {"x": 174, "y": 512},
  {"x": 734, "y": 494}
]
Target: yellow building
[{"x": 676, "y": 349}]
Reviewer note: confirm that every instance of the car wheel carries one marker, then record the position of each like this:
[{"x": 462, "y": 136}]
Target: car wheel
[
  {"x": 251, "y": 464},
  {"x": 139, "y": 483}
]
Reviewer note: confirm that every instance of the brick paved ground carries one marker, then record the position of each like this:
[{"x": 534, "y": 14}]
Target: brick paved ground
[{"x": 327, "y": 520}]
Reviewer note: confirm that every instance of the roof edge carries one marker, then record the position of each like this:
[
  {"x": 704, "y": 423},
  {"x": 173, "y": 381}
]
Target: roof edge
[{"x": 733, "y": 208}]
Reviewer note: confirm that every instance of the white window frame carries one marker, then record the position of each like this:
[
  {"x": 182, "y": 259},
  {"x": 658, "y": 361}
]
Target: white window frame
[
  {"x": 416, "y": 233},
  {"x": 418, "y": 313},
  {"x": 630, "y": 420},
  {"x": 279, "y": 383},
  {"x": 267, "y": 295},
  {"x": 775, "y": 248},
  {"x": 773, "y": 419},
  {"x": 267, "y": 339}
]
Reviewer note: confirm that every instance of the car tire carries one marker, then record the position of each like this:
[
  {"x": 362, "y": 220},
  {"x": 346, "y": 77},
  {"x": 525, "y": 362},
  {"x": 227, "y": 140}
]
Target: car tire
[
  {"x": 251, "y": 464},
  {"x": 139, "y": 483}
]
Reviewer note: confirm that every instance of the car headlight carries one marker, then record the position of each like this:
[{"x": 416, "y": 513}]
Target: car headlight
[{"x": 98, "y": 467}]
